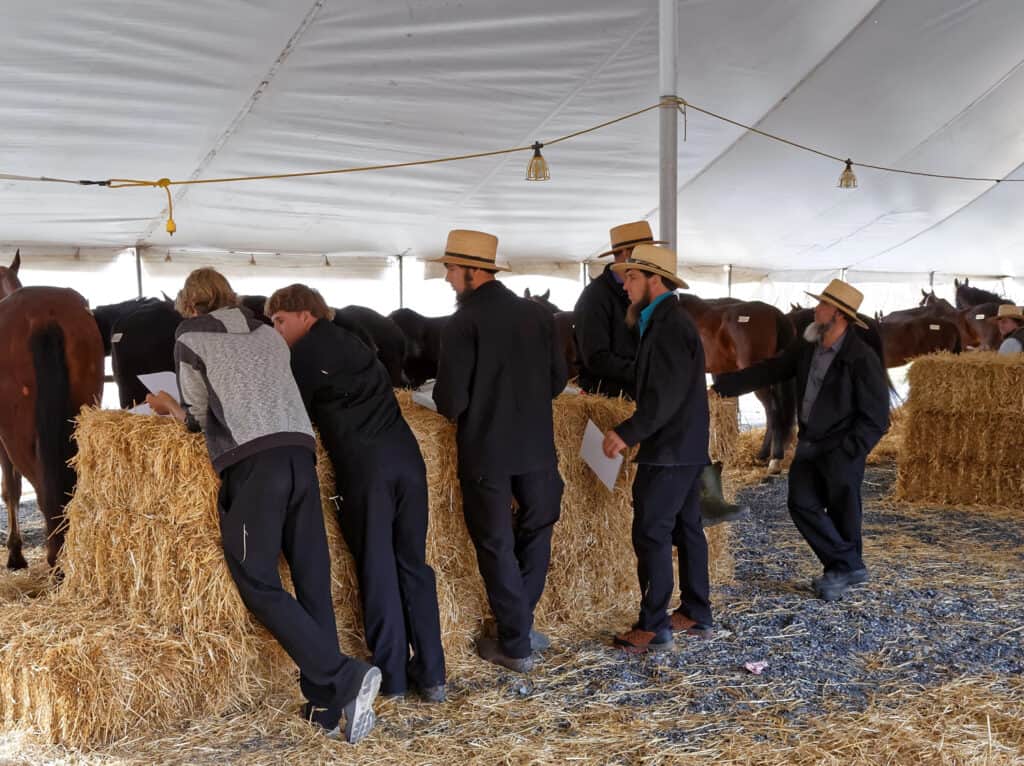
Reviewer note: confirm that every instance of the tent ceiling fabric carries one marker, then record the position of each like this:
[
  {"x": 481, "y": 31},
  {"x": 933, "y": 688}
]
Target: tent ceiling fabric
[{"x": 146, "y": 89}]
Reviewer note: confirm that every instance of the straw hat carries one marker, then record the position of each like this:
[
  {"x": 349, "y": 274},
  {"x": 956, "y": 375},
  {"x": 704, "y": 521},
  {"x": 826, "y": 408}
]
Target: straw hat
[
  {"x": 630, "y": 234},
  {"x": 475, "y": 249},
  {"x": 844, "y": 297},
  {"x": 652, "y": 259},
  {"x": 1007, "y": 311}
]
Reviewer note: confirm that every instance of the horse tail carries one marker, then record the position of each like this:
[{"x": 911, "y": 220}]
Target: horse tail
[
  {"x": 54, "y": 445},
  {"x": 784, "y": 393}
]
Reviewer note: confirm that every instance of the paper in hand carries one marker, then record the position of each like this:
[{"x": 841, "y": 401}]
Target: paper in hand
[
  {"x": 161, "y": 381},
  {"x": 592, "y": 452}
]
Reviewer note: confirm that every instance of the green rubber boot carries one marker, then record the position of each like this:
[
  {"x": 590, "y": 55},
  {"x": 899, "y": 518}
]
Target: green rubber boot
[{"x": 713, "y": 507}]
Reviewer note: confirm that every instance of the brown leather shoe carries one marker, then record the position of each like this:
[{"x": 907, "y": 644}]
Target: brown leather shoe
[
  {"x": 636, "y": 641},
  {"x": 490, "y": 650},
  {"x": 682, "y": 624}
]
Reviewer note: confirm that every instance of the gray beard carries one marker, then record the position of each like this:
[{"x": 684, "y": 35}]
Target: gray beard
[{"x": 814, "y": 332}]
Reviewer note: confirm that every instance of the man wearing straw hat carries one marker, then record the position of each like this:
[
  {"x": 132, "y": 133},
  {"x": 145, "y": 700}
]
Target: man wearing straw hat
[
  {"x": 498, "y": 370},
  {"x": 381, "y": 483},
  {"x": 671, "y": 425},
  {"x": 608, "y": 345},
  {"x": 1011, "y": 326},
  {"x": 237, "y": 388},
  {"x": 844, "y": 410}
]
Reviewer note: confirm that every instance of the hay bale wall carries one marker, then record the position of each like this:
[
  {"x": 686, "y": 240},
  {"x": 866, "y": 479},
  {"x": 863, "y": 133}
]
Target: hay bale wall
[
  {"x": 964, "y": 433},
  {"x": 148, "y": 629}
]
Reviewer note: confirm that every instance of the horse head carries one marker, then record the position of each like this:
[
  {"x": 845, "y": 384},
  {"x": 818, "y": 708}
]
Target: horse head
[
  {"x": 794, "y": 307},
  {"x": 9, "y": 281},
  {"x": 542, "y": 299},
  {"x": 928, "y": 298}
]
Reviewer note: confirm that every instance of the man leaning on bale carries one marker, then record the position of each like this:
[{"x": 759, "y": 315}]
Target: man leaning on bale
[
  {"x": 671, "y": 425},
  {"x": 499, "y": 369},
  {"x": 844, "y": 410},
  {"x": 237, "y": 388}
]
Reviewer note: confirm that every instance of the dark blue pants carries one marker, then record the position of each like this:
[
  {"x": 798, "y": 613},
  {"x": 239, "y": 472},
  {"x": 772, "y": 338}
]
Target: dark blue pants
[
  {"x": 513, "y": 551},
  {"x": 666, "y": 513},
  {"x": 383, "y": 515},
  {"x": 268, "y": 504},
  {"x": 825, "y": 504}
]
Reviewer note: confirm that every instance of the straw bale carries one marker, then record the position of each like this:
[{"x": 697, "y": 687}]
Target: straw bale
[
  {"x": 148, "y": 626},
  {"x": 964, "y": 432}
]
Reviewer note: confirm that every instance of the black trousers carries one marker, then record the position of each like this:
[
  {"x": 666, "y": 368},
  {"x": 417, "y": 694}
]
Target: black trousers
[
  {"x": 513, "y": 550},
  {"x": 268, "y": 504},
  {"x": 666, "y": 513},
  {"x": 824, "y": 502},
  {"x": 383, "y": 516}
]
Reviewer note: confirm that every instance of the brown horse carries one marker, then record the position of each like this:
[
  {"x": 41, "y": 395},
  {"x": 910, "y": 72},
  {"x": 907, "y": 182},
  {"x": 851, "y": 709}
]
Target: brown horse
[
  {"x": 907, "y": 337},
  {"x": 51, "y": 364},
  {"x": 11, "y": 487},
  {"x": 737, "y": 334},
  {"x": 977, "y": 323}
]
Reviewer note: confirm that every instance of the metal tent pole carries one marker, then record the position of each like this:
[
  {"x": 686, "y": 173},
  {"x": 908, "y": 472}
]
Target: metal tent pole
[
  {"x": 138, "y": 269},
  {"x": 668, "y": 122}
]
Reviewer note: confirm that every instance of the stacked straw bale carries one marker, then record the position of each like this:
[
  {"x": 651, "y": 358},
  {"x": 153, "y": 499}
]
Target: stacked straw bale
[
  {"x": 964, "y": 434},
  {"x": 147, "y": 628}
]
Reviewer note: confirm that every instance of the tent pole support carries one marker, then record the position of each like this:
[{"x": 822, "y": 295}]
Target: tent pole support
[
  {"x": 668, "y": 120},
  {"x": 138, "y": 268},
  {"x": 401, "y": 280}
]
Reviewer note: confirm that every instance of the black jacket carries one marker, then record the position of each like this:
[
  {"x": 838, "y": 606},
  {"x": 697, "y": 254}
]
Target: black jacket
[
  {"x": 852, "y": 408},
  {"x": 671, "y": 419},
  {"x": 499, "y": 368},
  {"x": 607, "y": 347},
  {"x": 348, "y": 395}
]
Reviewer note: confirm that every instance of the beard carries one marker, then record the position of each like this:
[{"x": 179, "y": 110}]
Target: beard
[
  {"x": 815, "y": 331},
  {"x": 633, "y": 312},
  {"x": 461, "y": 296}
]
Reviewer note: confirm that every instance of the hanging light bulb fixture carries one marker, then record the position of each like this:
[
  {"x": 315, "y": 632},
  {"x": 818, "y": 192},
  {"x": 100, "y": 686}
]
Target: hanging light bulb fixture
[
  {"x": 847, "y": 180},
  {"x": 537, "y": 170}
]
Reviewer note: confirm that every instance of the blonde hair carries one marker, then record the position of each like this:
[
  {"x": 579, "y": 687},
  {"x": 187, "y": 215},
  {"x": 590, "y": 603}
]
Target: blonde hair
[
  {"x": 205, "y": 291},
  {"x": 298, "y": 297}
]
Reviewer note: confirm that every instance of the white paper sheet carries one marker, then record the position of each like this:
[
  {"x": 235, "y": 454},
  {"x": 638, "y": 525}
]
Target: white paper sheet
[
  {"x": 607, "y": 469},
  {"x": 424, "y": 395},
  {"x": 142, "y": 409},
  {"x": 161, "y": 381}
]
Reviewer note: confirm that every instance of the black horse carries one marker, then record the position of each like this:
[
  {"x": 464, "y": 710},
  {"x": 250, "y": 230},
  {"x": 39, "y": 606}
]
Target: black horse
[
  {"x": 138, "y": 336},
  {"x": 422, "y": 344},
  {"x": 967, "y": 296}
]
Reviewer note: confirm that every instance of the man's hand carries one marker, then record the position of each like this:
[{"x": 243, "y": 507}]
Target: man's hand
[
  {"x": 613, "y": 444},
  {"x": 163, "y": 403}
]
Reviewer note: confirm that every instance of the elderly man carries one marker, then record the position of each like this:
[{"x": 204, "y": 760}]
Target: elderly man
[
  {"x": 237, "y": 388},
  {"x": 671, "y": 425},
  {"x": 499, "y": 369},
  {"x": 844, "y": 410},
  {"x": 381, "y": 483},
  {"x": 1011, "y": 327}
]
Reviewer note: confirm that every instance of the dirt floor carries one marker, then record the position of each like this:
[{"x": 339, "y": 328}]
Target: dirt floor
[{"x": 922, "y": 665}]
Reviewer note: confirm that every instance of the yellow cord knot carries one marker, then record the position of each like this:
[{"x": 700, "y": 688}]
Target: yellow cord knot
[{"x": 165, "y": 184}]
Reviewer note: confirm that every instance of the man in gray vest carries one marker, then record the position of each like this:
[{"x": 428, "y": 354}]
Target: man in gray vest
[{"x": 1011, "y": 326}]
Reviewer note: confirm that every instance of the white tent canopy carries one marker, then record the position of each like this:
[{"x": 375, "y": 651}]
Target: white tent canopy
[{"x": 111, "y": 88}]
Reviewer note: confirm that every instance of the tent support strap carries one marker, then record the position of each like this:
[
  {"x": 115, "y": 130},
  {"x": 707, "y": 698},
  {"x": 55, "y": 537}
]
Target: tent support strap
[{"x": 668, "y": 121}]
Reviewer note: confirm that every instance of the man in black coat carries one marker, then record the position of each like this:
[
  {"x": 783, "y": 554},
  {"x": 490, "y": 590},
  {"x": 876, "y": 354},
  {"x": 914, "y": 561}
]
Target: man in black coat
[
  {"x": 381, "y": 482},
  {"x": 844, "y": 410},
  {"x": 607, "y": 345},
  {"x": 498, "y": 371},
  {"x": 671, "y": 425}
]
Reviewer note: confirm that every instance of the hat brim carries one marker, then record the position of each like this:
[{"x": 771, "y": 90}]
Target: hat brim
[
  {"x": 624, "y": 247},
  {"x": 846, "y": 312},
  {"x": 473, "y": 264},
  {"x": 622, "y": 268}
]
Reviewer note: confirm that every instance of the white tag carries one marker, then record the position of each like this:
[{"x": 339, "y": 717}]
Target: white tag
[
  {"x": 116, "y": 337},
  {"x": 934, "y": 327},
  {"x": 743, "y": 320},
  {"x": 979, "y": 316}
]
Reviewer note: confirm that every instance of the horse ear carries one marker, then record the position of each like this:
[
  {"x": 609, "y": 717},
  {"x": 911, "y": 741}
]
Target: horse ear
[
  {"x": 16, "y": 262},
  {"x": 167, "y": 298},
  {"x": 526, "y": 293},
  {"x": 546, "y": 295},
  {"x": 967, "y": 281},
  {"x": 956, "y": 283},
  {"x": 923, "y": 293}
]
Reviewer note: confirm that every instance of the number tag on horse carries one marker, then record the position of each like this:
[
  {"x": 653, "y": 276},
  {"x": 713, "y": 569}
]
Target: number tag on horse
[
  {"x": 116, "y": 337},
  {"x": 934, "y": 327},
  {"x": 979, "y": 316},
  {"x": 743, "y": 320}
]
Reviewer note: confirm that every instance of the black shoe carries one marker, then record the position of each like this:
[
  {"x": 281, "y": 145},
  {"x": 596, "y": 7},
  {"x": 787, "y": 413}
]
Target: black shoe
[
  {"x": 435, "y": 694},
  {"x": 855, "y": 577},
  {"x": 359, "y": 715},
  {"x": 325, "y": 719},
  {"x": 490, "y": 650},
  {"x": 832, "y": 586},
  {"x": 539, "y": 642}
]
